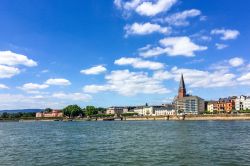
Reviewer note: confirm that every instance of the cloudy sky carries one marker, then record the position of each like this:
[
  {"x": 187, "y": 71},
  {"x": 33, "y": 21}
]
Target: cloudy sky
[{"x": 121, "y": 52}]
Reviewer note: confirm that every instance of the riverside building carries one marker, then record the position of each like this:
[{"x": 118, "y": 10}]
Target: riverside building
[
  {"x": 187, "y": 104},
  {"x": 154, "y": 110},
  {"x": 53, "y": 114},
  {"x": 226, "y": 105},
  {"x": 118, "y": 110},
  {"x": 212, "y": 106},
  {"x": 242, "y": 103}
]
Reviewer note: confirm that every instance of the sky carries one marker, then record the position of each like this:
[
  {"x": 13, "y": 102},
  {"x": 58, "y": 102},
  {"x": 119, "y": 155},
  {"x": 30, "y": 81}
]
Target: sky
[{"x": 121, "y": 52}]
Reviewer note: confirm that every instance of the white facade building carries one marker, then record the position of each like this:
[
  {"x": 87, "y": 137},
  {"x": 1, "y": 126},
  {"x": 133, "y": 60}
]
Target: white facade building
[
  {"x": 154, "y": 111},
  {"x": 115, "y": 110},
  {"x": 242, "y": 103},
  {"x": 212, "y": 106}
]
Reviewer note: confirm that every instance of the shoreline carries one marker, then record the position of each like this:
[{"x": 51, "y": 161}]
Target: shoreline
[{"x": 226, "y": 117}]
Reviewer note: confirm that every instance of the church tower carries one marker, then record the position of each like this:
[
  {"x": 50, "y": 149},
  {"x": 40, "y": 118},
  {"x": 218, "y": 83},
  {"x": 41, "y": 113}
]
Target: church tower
[{"x": 182, "y": 88}]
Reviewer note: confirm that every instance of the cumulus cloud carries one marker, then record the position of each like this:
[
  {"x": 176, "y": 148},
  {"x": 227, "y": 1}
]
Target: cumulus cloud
[
  {"x": 128, "y": 83},
  {"x": 180, "y": 19},
  {"x": 59, "y": 101},
  {"x": 14, "y": 101},
  {"x": 139, "y": 63},
  {"x": 145, "y": 8},
  {"x": 145, "y": 29},
  {"x": 244, "y": 79},
  {"x": 8, "y": 71},
  {"x": 13, "y": 59},
  {"x": 174, "y": 46},
  {"x": 221, "y": 46},
  {"x": 162, "y": 75},
  {"x": 9, "y": 62},
  {"x": 205, "y": 79},
  {"x": 58, "y": 81},
  {"x": 226, "y": 34},
  {"x": 32, "y": 87},
  {"x": 149, "y": 8},
  {"x": 199, "y": 78},
  {"x": 236, "y": 62},
  {"x": 94, "y": 70},
  {"x": 2, "y": 86},
  {"x": 118, "y": 3},
  {"x": 72, "y": 96}
]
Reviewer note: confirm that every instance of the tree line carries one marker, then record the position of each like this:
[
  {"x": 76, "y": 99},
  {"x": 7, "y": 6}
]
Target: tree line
[
  {"x": 72, "y": 111},
  {"x": 17, "y": 115}
]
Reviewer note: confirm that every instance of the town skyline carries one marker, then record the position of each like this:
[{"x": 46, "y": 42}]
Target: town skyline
[{"x": 121, "y": 52}]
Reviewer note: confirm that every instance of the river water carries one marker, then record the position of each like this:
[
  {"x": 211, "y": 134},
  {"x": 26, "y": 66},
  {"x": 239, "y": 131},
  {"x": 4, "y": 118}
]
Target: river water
[{"x": 127, "y": 143}]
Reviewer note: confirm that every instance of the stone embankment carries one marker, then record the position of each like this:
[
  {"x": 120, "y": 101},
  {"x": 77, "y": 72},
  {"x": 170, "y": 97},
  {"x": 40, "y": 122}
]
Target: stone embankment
[{"x": 194, "y": 117}]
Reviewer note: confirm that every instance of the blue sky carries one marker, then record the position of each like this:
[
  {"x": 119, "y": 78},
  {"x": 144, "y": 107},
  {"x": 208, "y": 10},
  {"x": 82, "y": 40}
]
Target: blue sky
[{"x": 117, "y": 52}]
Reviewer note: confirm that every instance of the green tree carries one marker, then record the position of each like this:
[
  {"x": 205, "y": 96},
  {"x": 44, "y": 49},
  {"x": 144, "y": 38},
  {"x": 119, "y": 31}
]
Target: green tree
[
  {"x": 101, "y": 110},
  {"x": 72, "y": 111},
  {"x": 90, "y": 110},
  {"x": 47, "y": 110},
  {"x": 5, "y": 115}
]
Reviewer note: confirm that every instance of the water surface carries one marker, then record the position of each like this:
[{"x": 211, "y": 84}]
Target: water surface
[{"x": 125, "y": 143}]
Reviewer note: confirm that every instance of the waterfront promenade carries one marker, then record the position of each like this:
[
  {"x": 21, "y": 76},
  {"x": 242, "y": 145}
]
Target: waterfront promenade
[{"x": 195, "y": 117}]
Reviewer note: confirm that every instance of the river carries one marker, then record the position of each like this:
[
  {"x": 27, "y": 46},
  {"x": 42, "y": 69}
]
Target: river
[{"x": 127, "y": 143}]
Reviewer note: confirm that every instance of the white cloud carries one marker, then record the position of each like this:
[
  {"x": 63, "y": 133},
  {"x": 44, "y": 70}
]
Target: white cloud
[
  {"x": 13, "y": 59},
  {"x": 221, "y": 46},
  {"x": 144, "y": 7},
  {"x": 128, "y": 5},
  {"x": 203, "y": 79},
  {"x": 205, "y": 38},
  {"x": 145, "y": 29},
  {"x": 96, "y": 88},
  {"x": 236, "y": 62},
  {"x": 9, "y": 62},
  {"x": 162, "y": 75},
  {"x": 94, "y": 70},
  {"x": 72, "y": 96},
  {"x": 174, "y": 46},
  {"x": 33, "y": 88},
  {"x": 152, "y": 51},
  {"x": 199, "y": 78},
  {"x": 227, "y": 34},
  {"x": 118, "y": 3},
  {"x": 20, "y": 101},
  {"x": 131, "y": 4},
  {"x": 45, "y": 71},
  {"x": 180, "y": 19},
  {"x": 244, "y": 79},
  {"x": 139, "y": 63},
  {"x": 148, "y": 8},
  {"x": 2, "y": 86},
  {"x": 128, "y": 83},
  {"x": 8, "y": 71},
  {"x": 58, "y": 81}
]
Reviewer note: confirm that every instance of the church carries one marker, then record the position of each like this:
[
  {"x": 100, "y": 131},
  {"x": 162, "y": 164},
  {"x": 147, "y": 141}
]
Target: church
[{"x": 187, "y": 104}]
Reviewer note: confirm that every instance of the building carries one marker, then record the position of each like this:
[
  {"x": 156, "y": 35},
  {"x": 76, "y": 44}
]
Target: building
[
  {"x": 119, "y": 110},
  {"x": 226, "y": 105},
  {"x": 242, "y": 103},
  {"x": 187, "y": 104},
  {"x": 115, "y": 110},
  {"x": 212, "y": 106},
  {"x": 154, "y": 110},
  {"x": 52, "y": 114}
]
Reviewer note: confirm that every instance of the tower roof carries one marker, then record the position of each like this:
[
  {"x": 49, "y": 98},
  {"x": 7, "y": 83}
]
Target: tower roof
[{"x": 182, "y": 83}]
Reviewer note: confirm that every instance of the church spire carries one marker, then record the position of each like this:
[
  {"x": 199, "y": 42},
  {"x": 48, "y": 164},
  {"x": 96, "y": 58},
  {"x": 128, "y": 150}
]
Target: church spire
[
  {"x": 182, "y": 83},
  {"x": 182, "y": 88}
]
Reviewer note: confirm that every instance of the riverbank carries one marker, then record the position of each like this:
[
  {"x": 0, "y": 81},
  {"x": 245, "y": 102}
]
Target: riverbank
[
  {"x": 226, "y": 117},
  {"x": 193, "y": 117}
]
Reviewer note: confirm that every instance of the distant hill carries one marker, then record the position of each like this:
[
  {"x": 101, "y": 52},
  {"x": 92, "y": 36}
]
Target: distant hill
[{"x": 21, "y": 110}]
